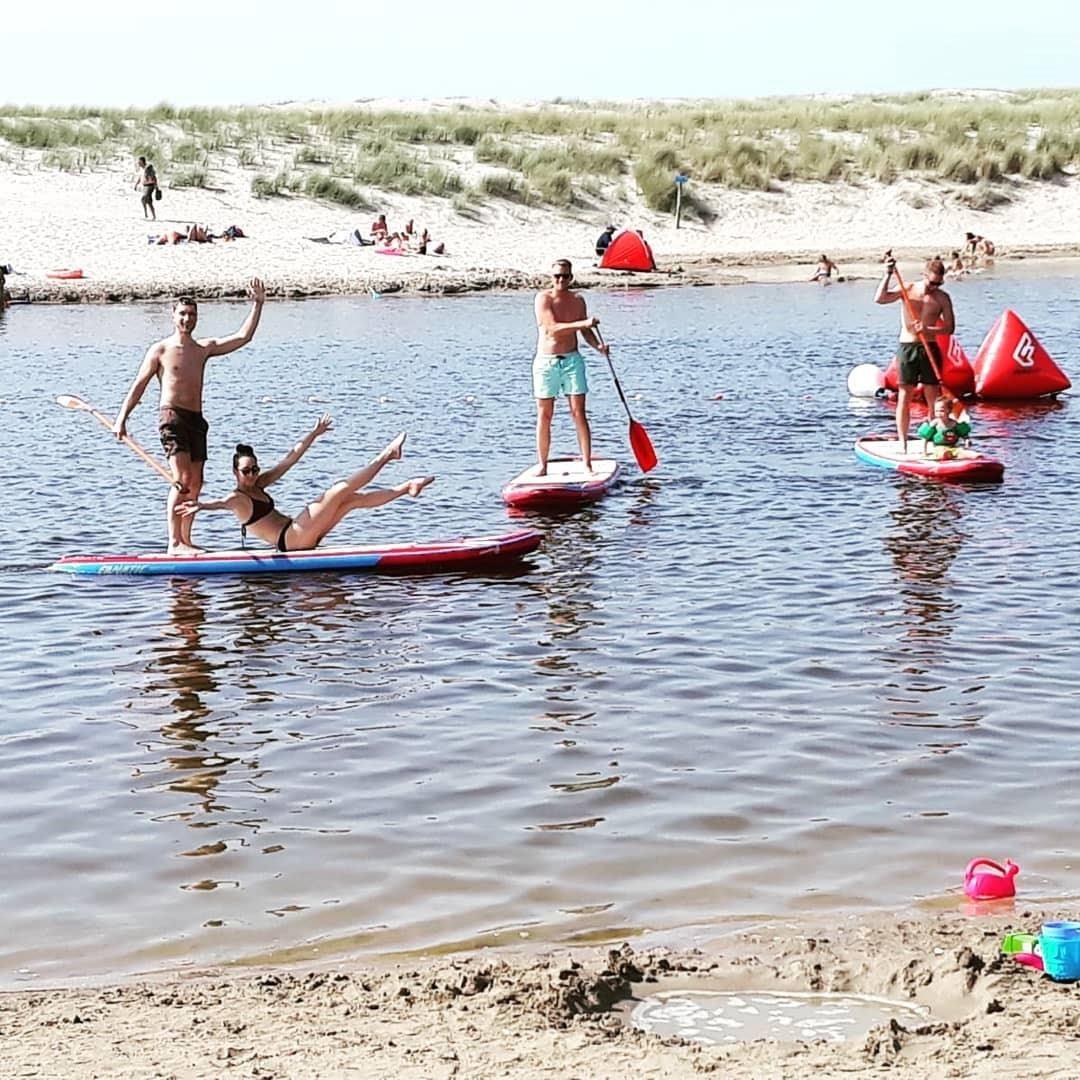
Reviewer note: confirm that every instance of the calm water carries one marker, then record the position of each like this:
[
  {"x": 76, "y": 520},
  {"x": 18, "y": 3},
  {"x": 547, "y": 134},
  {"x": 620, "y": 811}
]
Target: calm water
[{"x": 767, "y": 679}]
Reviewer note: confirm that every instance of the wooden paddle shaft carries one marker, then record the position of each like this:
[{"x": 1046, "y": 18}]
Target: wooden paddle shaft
[{"x": 71, "y": 402}]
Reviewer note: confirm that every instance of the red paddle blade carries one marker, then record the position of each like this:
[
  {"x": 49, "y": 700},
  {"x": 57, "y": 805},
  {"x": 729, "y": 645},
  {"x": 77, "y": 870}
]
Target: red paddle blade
[{"x": 642, "y": 446}]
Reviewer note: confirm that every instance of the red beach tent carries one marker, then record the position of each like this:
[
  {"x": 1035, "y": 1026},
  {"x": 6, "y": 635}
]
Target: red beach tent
[{"x": 628, "y": 251}]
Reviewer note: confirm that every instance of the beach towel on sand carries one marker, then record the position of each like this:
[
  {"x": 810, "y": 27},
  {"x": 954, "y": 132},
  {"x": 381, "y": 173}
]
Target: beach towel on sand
[{"x": 342, "y": 236}]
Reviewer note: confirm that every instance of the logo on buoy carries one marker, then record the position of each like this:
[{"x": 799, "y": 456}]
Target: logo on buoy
[{"x": 1024, "y": 353}]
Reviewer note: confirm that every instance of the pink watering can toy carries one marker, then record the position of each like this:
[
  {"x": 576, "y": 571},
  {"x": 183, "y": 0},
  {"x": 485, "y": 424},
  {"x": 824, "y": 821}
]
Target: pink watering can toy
[{"x": 993, "y": 882}]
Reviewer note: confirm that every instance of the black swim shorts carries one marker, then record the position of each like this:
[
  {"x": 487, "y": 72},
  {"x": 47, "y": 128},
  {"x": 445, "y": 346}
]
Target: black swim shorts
[
  {"x": 914, "y": 366},
  {"x": 182, "y": 431}
]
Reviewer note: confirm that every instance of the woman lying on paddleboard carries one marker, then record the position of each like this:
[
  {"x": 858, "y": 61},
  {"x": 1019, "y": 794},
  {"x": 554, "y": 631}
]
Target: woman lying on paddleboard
[{"x": 255, "y": 509}]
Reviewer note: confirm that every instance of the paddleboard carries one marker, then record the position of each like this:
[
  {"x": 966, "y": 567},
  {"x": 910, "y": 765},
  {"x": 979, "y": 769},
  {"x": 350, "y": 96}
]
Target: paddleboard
[
  {"x": 964, "y": 465},
  {"x": 566, "y": 485},
  {"x": 465, "y": 554}
]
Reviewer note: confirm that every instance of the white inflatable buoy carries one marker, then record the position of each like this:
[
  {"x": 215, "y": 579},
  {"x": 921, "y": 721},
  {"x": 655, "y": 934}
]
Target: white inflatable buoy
[{"x": 865, "y": 380}]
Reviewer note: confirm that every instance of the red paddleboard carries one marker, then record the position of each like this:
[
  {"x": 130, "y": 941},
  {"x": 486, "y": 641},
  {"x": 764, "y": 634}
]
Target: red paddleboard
[
  {"x": 566, "y": 485},
  {"x": 470, "y": 553},
  {"x": 954, "y": 465}
]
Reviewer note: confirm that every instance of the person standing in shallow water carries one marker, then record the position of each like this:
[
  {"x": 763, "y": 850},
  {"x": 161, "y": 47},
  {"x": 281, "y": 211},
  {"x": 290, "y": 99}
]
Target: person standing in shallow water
[
  {"x": 559, "y": 368},
  {"x": 148, "y": 179},
  {"x": 179, "y": 363},
  {"x": 933, "y": 315}
]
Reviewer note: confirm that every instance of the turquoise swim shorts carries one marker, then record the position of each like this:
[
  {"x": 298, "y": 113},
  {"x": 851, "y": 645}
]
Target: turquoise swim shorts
[{"x": 555, "y": 376}]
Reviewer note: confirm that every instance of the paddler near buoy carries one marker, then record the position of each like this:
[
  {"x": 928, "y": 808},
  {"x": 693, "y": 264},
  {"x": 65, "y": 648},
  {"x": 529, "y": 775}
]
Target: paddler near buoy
[
  {"x": 927, "y": 314},
  {"x": 559, "y": 368}
]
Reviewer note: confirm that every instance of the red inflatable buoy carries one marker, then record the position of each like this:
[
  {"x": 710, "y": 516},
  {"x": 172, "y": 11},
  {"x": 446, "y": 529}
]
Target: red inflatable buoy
[
  {"x": 64, "y": 275},
  {"x": 956, "y": 371},
  {"x": 1011, "y": 363}
]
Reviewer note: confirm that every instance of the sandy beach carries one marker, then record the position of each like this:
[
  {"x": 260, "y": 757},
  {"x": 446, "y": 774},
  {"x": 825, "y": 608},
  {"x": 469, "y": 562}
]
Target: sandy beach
[
  {"x": 93, "y": 222},
  {"x": 565, "y": 1014}
]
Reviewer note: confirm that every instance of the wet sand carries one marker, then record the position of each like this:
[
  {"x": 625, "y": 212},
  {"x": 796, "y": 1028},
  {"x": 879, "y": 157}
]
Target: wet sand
[{"x": 564, "y": 1014}]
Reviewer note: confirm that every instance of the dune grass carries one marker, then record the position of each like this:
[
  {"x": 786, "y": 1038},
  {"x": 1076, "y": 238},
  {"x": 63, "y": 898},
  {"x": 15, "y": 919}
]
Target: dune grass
[{"x": 564, "y": 154}]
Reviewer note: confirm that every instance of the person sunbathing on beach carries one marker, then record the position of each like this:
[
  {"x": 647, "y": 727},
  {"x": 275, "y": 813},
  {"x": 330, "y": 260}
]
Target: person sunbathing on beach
[
  {"x": 380, "y": 229},
  {"x": 942, "y": 433},
  {"x": 193, "y": 234},
  {"x": 255, "y": 510}
]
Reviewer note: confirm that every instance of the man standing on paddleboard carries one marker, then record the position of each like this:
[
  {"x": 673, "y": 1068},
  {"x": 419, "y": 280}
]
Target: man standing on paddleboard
[
  {"x": 559, "y": 368},
  {"x": 926, "y": 311},
  {"x": 179, "y": 362}
]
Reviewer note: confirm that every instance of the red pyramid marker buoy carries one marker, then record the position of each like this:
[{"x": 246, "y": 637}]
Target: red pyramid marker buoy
[
  {"x": 957, "y": 372},
  {"x": 1011, "y": 363}
]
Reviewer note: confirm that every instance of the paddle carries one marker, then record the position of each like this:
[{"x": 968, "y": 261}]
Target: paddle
[
  {"x": 69, "y": 401},
  {"x": 640, "y": 442}
]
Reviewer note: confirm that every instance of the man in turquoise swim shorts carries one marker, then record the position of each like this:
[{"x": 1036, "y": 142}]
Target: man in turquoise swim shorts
[{"x": 559, "y": 368}]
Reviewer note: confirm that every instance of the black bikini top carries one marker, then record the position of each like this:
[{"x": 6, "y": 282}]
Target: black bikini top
[{"x": 259, "y": 508}]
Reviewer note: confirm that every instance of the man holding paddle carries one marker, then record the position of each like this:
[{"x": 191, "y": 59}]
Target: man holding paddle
[
  {"x": 926, "y": 312},
  {"x": 179, "y": 363},
  {"x": 559, "y": 368}
]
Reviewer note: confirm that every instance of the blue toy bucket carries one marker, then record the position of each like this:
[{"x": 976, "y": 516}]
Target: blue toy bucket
[{"x": 1060, "y": 944}]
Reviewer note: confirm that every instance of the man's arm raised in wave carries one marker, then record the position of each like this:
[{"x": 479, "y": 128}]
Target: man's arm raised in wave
[{"x": 221, "y": 346}]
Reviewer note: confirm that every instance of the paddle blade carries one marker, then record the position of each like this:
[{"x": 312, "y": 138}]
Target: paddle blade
[
  {"x": 642, "y": 446},
  {"x": 71, "y": 402}
]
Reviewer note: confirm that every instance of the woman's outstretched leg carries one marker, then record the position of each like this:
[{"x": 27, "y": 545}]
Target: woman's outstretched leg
[
  {"x": 313, "y": 523},
  {"x": 362, "y": 477}
]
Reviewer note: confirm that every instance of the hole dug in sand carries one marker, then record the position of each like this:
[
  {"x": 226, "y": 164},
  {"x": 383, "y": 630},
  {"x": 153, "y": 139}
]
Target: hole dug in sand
[
  {"x": 726, "y": 1016},
  {"x": 861, "y": 992}
]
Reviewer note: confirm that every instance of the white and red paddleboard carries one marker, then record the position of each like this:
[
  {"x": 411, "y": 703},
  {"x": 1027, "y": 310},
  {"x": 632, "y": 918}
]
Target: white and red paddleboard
[
  {"x": 956, "y": 464},
  {"x": 566, "y": 485}
]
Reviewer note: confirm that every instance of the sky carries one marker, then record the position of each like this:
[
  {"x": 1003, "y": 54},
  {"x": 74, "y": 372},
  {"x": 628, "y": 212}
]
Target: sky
[{"x": 201, "y": 52}]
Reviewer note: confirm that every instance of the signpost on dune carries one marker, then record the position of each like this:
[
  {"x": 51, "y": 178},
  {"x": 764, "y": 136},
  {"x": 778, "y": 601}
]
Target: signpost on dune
[{"x": 680, "y": 179}]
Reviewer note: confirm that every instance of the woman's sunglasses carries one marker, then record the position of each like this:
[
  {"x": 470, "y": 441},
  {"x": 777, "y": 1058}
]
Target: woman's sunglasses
[{"x": 251, "y": 470}]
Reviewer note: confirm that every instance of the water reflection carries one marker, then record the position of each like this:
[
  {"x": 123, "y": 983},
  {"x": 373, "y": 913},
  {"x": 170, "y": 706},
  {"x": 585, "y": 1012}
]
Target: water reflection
[
  {"x": 188, "y": 676},
  {"x": 926, "y": 537},
  {"x": 927, "y": 534},
  {"x": 201, "y": 751}
]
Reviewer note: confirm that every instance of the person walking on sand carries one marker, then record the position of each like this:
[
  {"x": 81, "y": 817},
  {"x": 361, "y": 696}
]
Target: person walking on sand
[
  {"x": 931, "y": 315},
  {"x": 179, "y": 363},
  {"x": 559, "y": 368},
  {"x": 255, "y": 510},
  {"x": 148, "y": 179}
]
